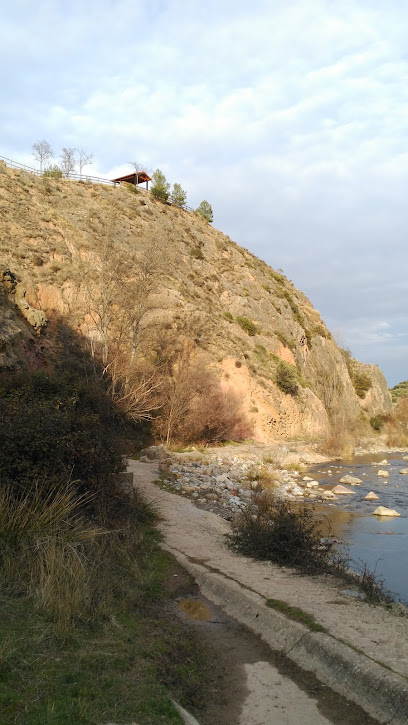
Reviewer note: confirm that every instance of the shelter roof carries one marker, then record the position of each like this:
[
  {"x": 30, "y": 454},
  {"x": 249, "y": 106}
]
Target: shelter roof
[{"x": 130, "y": 178}]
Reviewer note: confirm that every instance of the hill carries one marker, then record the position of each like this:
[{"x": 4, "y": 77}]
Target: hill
[{"x": 131, "y": 273}]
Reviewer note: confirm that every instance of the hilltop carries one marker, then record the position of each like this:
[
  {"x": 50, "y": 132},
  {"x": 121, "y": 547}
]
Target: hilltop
[{"x": 165, "y": 273}]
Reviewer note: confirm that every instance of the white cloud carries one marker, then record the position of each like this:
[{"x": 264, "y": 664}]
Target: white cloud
[{"x": 290, "y": 117}]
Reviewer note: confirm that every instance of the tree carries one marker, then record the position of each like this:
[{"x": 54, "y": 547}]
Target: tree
[
  {"x": 160, "y": 186},
  {"x": 178, "y": 196},
  {"x": 205, "y": 209},
  {"x": 138, "y": 167},
  {"x": 68, "y": 161},
  {"x": 84, "y": 158},
  {"x": 42, "y": 151}
]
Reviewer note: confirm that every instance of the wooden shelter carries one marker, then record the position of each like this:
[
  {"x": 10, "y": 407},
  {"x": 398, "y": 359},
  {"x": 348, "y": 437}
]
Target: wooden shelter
[{"x": 136, "y": 178}]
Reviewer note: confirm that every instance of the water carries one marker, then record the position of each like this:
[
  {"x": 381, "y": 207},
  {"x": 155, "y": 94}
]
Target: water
[{"x": 380, "y": 542}]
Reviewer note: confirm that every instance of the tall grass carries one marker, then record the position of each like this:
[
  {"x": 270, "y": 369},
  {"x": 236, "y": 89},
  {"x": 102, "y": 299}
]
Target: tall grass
[{"x": 42, "y": 549}]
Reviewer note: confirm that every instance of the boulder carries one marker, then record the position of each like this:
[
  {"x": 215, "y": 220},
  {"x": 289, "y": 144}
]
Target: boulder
[
  {"x": 154, "y": 452},
  {"x": 383, "y": 474},
  {"x": 404, "y": 470},
  {"x": 383, "y": 511},
  {"x": 342, "y": 490},
  {"x": 371, "y": 496},
  {"x": 384, "y": 462},
  {"x": 351, "y": 480}
]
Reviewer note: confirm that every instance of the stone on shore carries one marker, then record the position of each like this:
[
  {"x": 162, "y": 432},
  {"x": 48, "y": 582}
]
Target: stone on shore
[
  {"x": 383, "y": 511},
  {"x": 351, "y": 480},
  {"x": 371, "y": 496},
  {"x": 404, "y": 470},
  {"x": 383, "y": 474},
  {"x": 384, "y": 462},
  {"x": 342, "y": 490}
]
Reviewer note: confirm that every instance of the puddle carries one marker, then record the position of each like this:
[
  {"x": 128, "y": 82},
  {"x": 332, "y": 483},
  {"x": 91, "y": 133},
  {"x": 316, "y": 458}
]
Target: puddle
[{"x": 195, "y": 610}]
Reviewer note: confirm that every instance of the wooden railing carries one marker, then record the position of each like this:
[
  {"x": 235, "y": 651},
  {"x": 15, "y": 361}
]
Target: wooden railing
[{"x": 77, "y": 177}]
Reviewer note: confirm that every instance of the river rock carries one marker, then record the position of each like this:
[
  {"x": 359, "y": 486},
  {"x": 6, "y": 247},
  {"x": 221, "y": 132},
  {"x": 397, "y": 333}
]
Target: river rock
[
  {"x": 351, "y": 480},
  {"x": 404, "y": 470},
  {"x": 384, "y": 462},
  {"x": 383, "y": 474},
  {"x": 371, "y": 496},
  {"x": 307, "y": 478},
  {"x": 311, "y": 484},
  {"x": 383, "y": 511},
  {"x": 342, "y": 490}
]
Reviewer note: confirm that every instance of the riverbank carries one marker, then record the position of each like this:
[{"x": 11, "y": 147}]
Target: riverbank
[{"x": 363, "y": 656}]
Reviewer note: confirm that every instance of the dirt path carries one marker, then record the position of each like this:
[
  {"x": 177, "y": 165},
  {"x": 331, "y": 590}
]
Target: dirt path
[{"x": 197, "y": 536}]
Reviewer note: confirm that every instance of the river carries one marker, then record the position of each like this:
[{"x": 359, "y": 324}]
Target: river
[{"x": 380, "y": 542}]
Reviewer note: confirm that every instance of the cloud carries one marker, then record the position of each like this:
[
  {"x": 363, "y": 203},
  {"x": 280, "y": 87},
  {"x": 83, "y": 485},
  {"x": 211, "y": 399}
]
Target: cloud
[{"x": 289, "y": 117}]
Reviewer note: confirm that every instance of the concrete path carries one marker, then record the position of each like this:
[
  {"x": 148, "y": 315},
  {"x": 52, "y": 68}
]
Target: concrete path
[{"x": 363, "y": 656}]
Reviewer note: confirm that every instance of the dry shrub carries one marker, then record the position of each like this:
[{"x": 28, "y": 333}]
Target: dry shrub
[{"x": 217, "y": 416}]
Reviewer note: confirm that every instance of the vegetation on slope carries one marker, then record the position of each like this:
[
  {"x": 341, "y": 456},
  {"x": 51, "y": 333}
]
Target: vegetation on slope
[
  {"x": 84, "y": 588},
  {"x": 126, "y": 268}
]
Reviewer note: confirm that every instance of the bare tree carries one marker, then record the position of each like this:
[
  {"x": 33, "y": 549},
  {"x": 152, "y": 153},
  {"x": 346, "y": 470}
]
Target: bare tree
[
  {"x": 42, "y": 151},
  {"x": 138, "y": 167},
  {"x": 68, "y": 161},
  {"x": 84, "y": 158}
]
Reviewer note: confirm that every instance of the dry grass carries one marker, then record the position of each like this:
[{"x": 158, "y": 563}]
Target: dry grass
[{"x": 42, "y": 552}]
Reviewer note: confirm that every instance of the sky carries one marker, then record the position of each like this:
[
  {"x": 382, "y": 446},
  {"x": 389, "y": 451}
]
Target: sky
[{"x": 289, "y": 116}]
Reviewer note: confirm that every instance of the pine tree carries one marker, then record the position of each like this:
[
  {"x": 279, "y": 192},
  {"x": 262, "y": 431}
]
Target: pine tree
[{"x": 205, "y": 209}]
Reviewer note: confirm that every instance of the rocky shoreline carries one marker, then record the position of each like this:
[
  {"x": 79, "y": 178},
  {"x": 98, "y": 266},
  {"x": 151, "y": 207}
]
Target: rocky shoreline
[{"x": 223, "y": 480}]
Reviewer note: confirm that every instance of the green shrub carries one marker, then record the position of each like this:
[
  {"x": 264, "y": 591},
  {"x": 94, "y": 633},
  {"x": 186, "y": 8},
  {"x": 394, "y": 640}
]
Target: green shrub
[
  {"x": 53, "y": 171},
  {"x": 196, "y": 253},
  {"x": 286, "y": 378},
  {"x": 361, "y": 383},
  {"x": 228, "y": 316},
  {"x": 376, "y": 422},
  {"x": 277, "y": 532},
  {"x": 57, "y": 427},
  {"x": 247, "y": 325}
]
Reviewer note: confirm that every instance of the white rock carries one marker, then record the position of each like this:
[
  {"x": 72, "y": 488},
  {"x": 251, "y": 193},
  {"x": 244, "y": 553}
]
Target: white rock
[
  {"x": 351, "y": 480},
  {"x": 307, "y": 478},
  {"x": 383, "y": 511},
  {"x": 384, "y": 463},
  {"x": 404, "y": 470},
  {"x": 384, "y": 474},
  {"x": 342, "y": 490},
  {"x": 371, "y": 496},
  {"x": 311, "y": 484}
]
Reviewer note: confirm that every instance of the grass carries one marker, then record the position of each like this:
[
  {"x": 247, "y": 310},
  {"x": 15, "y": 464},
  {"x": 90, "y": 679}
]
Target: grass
[
  {"x": 298, "y": 615},
  {"x": 124, "y": 666}
]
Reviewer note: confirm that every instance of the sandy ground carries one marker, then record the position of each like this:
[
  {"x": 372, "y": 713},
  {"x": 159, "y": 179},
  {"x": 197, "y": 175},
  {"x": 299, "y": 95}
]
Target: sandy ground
[{"x": 380, "y": 634}]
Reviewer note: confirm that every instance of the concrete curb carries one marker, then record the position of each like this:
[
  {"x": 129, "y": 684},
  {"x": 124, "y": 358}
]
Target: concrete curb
[{"x": 381, "y": 693}]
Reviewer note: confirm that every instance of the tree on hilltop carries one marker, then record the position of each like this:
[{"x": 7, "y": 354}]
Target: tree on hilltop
[
  {"x": 160, "y": 186},
  {"x": 178, "y": 196},
  {"x": 42, "y": 151},
  {"x": 68, "y": 161},
  {"x": 84, "y": 158},
  {"x": 138, "y": 167},
  {"x": 205, "y": 209}
]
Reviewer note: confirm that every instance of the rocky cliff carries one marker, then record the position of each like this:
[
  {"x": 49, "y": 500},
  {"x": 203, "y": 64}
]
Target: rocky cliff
[{"x": 60, "y": 241}]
